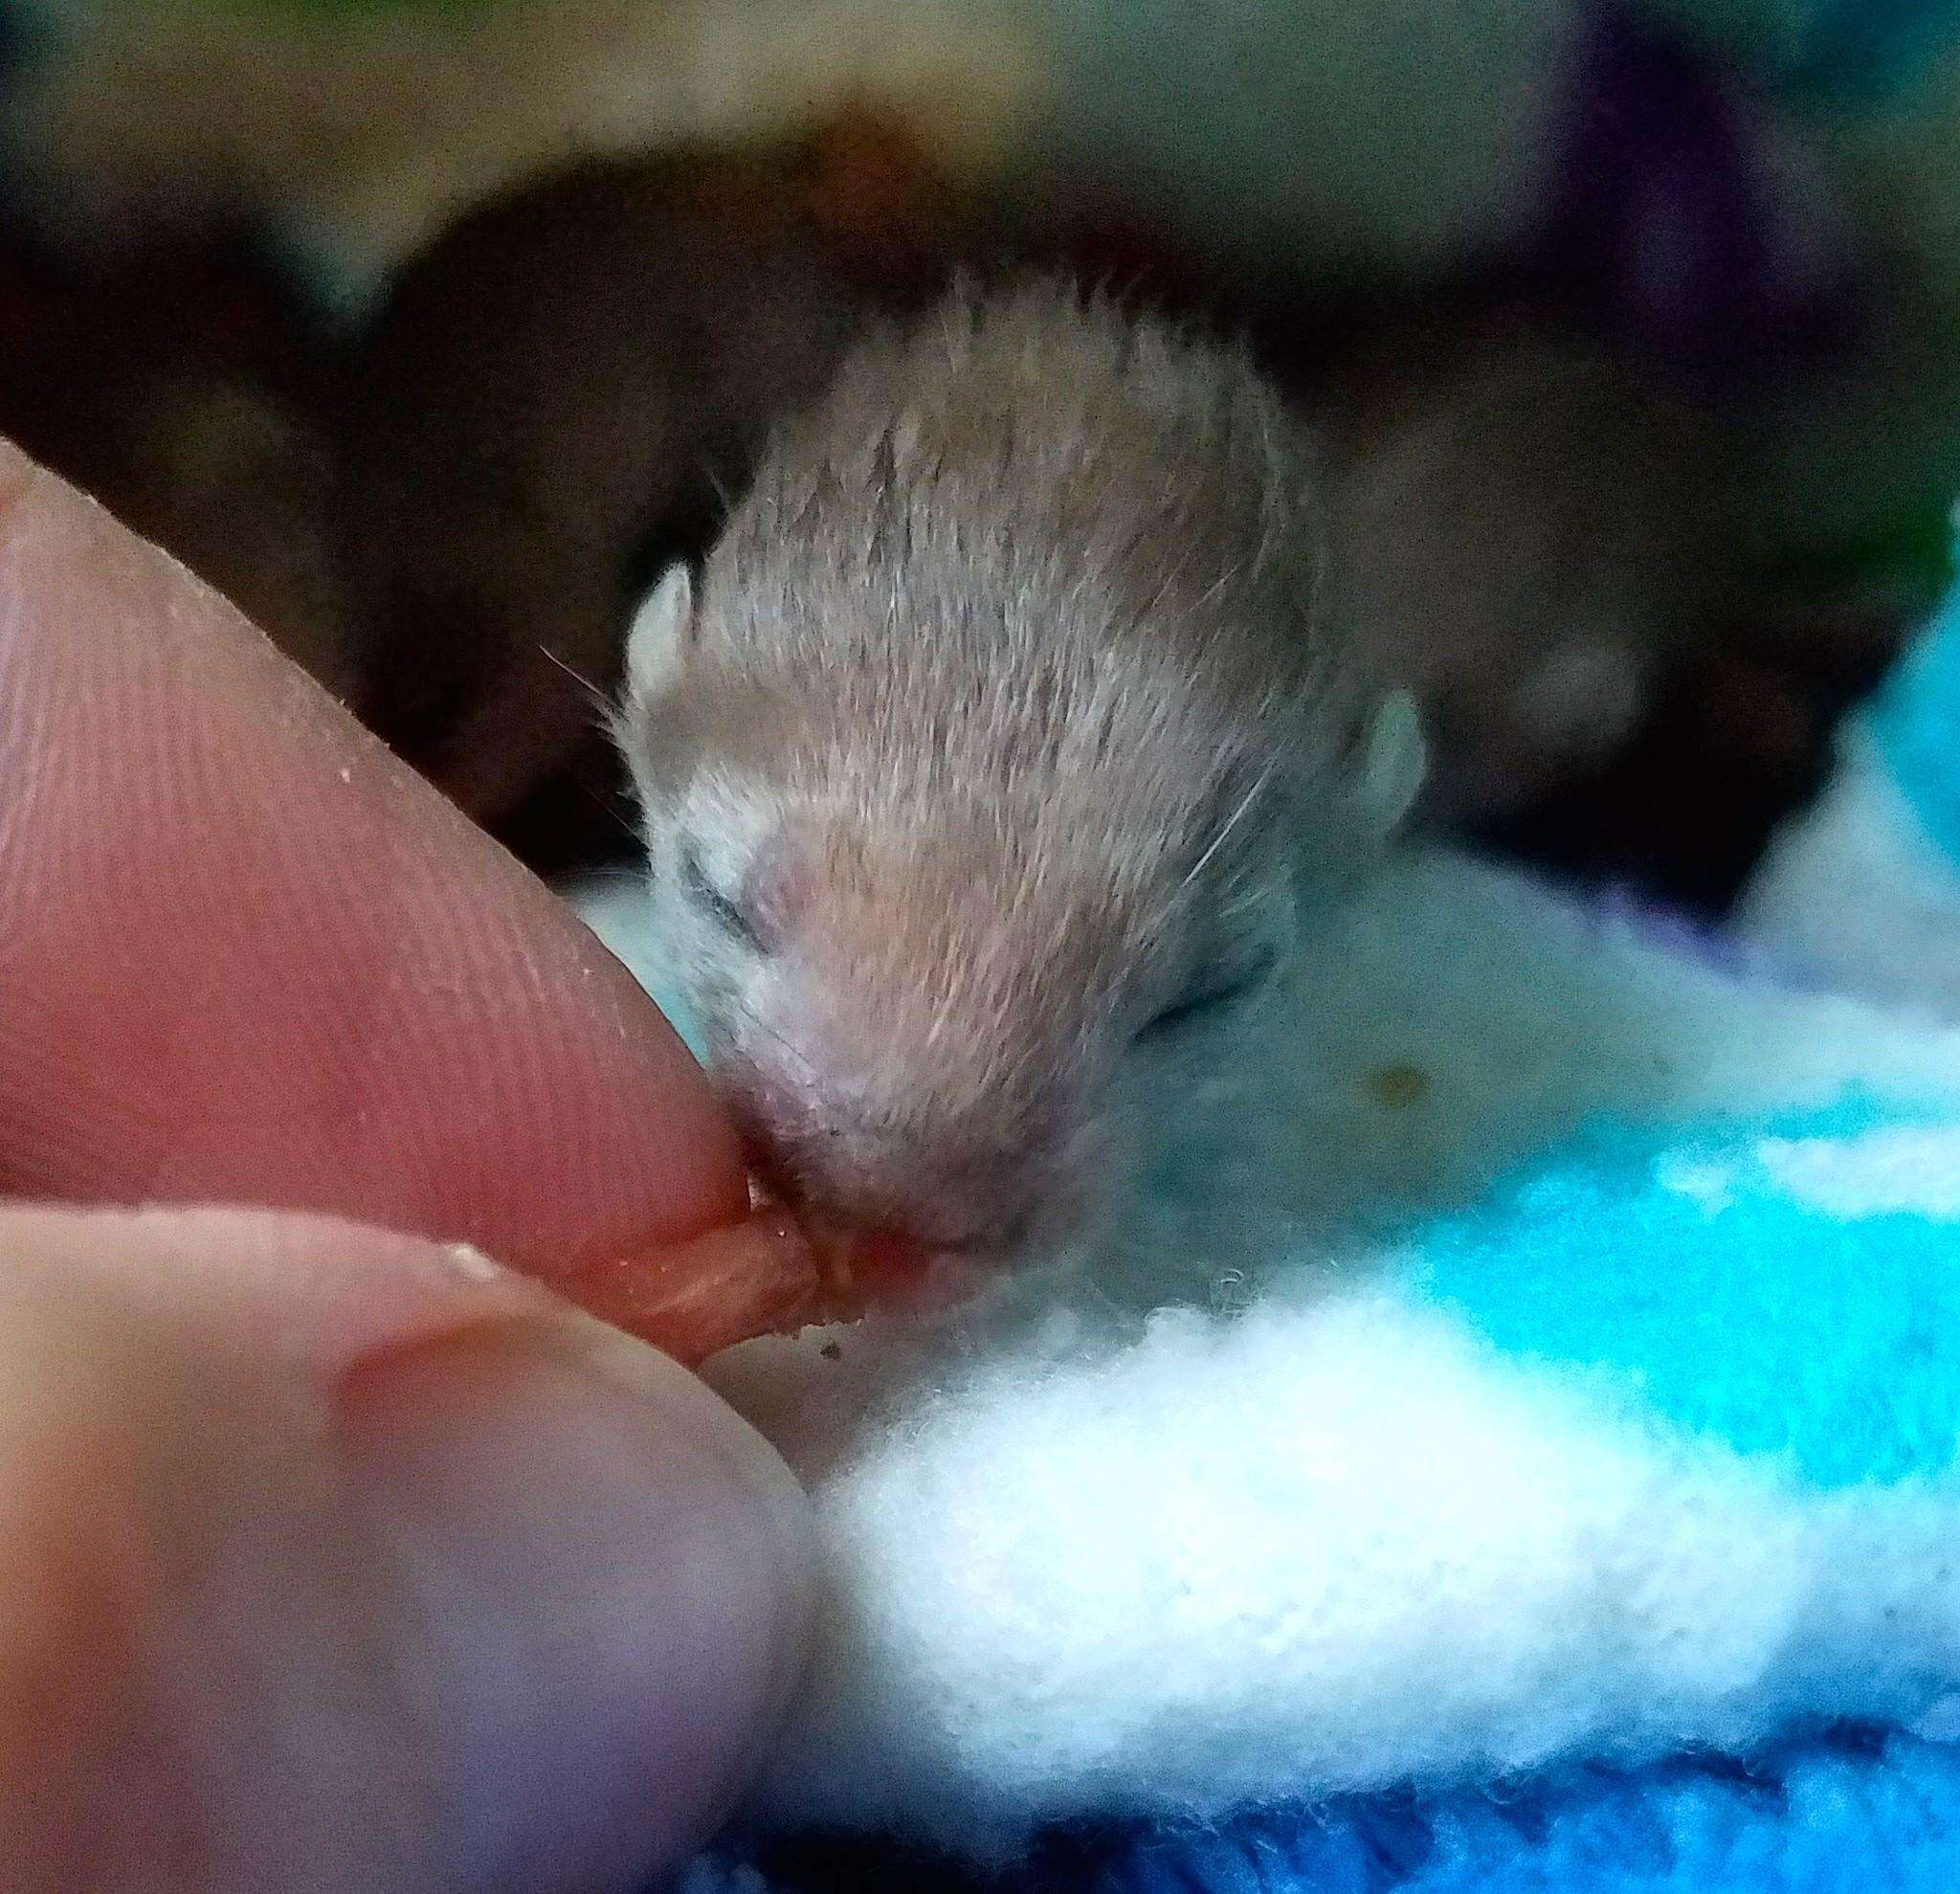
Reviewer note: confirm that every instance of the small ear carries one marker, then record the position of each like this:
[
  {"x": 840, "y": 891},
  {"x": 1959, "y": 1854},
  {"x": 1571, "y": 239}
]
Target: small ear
[
  {"x": 1392, "y": 761},
  {"x": 661, "y": 637}
]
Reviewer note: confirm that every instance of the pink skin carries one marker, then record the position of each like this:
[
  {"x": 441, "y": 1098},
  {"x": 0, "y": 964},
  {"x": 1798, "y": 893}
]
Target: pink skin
[
  {"x": 248, "y": 956},
  {"x": 305, "y": 1516}
]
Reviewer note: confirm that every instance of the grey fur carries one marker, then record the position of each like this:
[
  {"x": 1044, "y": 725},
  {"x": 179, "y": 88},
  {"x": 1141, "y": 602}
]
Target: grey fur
[{"x": 1011, "y": 710}]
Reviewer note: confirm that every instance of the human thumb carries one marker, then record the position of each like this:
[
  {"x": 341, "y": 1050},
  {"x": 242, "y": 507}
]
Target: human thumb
[{"x": 335, "y": 1559}]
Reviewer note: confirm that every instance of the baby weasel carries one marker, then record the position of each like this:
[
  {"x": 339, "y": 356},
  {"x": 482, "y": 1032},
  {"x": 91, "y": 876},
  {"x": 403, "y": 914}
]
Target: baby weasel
[{"x": 1005, "y": 747}]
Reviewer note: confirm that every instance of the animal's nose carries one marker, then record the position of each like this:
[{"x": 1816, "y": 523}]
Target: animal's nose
[
  {"x": 923, "y": 1181},
  {"x": 903, "y": 1199}
]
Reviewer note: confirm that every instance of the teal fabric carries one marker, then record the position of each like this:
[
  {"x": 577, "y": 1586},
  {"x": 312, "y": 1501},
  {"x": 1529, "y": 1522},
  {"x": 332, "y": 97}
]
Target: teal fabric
[{"x": 1717, "y": 1305}]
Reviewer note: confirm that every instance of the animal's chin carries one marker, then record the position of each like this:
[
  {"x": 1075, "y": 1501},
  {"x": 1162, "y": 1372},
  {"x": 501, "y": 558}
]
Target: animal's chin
[
  {"x": 865, "y": 1268},
  {"x": 867, "y": 1265}
]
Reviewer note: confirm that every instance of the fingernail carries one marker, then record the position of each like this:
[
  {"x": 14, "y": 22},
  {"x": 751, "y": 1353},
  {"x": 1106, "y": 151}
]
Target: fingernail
[{"x": 607, "y": 1580}]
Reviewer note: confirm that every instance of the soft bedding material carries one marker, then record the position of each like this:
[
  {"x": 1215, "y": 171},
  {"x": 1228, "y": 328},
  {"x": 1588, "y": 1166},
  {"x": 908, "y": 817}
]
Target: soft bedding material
[{"x": 1519, "y": 1448}]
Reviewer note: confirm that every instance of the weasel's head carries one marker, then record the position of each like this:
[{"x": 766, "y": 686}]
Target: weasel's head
[{"x": 952, "y": 941}]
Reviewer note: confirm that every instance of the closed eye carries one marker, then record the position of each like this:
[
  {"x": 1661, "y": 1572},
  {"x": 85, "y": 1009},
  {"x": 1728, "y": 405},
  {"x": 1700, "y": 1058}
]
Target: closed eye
[
  {"x": 1208, "y": 1001},
  {"x": 716, "y": 905}
]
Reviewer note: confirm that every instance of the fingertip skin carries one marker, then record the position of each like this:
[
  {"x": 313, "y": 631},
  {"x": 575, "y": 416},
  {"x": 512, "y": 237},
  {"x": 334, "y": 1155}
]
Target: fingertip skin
[{"x": 247, "y": 955}]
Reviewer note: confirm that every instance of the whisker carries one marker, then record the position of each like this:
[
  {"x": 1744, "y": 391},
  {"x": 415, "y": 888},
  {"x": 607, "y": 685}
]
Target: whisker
[
  {"x": 611, "y": 811},
  {"x": 585, "y": 684},
  {"x": 1231, "y": 822}
]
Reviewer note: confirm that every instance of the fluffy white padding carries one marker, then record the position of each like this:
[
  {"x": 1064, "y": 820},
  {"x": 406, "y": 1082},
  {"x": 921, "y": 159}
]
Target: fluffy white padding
[
  {"x": 1083, "y": 1560},
  {"x": 1326, "y": 1546},
  {"x": 1857, "y": 889}
]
